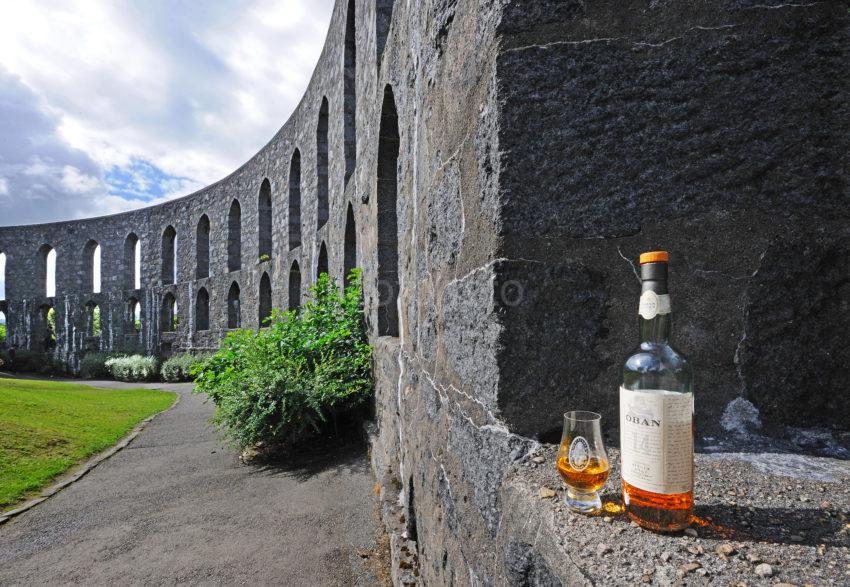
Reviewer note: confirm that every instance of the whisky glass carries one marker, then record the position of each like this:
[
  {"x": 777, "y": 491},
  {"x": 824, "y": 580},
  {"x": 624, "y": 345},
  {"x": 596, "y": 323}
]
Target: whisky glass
[{"x": 582, "y": 461}]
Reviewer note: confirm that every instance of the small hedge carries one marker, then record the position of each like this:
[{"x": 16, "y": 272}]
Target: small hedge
[
  {"x": 26, "y": 361},
  {"x": 179, "y": 367},
  {"x": 133, "y": 368},
  {"x": 93, "y": 365},
  {"x": 287, "y": 380}
]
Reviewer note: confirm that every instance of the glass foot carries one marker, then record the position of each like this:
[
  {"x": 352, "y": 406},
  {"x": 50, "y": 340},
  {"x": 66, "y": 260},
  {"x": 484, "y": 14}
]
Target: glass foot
[{"x": 585, "y": 503}]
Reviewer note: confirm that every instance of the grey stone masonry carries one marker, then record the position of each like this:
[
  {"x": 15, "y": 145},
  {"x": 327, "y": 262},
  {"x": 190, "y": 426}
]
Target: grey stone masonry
[{"x": 495, "y": 168}]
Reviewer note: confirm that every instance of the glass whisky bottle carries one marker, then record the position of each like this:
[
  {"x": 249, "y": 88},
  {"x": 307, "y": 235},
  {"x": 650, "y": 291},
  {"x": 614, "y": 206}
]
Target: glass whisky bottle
[{"x": 657, "y": 414}]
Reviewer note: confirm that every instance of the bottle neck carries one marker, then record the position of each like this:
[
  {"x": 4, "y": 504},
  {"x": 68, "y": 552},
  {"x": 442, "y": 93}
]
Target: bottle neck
[
  {"x": 655, "y": 317},
  {"x": 656, "y": 330}
]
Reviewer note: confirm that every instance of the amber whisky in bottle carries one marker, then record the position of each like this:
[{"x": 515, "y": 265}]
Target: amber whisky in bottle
[{"x": 657, "y": 414}]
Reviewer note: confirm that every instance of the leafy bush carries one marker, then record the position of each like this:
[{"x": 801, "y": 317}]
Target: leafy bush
[
  {"x": 23, "y": 360},
  {"x": 93, "y": 366},
  {"x": 179, "y": 367},
  {"x": 2, "y": 333},
  {"x": 133, "y": 368},
  {"x": 286, "y": 380}
]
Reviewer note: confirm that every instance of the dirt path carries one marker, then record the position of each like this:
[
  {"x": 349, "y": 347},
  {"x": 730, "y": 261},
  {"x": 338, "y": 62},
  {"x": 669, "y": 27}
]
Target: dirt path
[{"x": 177, "y": 506}]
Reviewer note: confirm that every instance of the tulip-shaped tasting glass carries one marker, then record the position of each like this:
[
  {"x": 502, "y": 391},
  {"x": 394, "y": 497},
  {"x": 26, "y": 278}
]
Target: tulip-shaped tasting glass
[{"x": 582, "y": 461}]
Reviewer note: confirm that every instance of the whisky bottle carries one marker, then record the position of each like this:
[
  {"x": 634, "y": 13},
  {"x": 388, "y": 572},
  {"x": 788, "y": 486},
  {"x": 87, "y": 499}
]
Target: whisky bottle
[{"x": 657, "y": 414}]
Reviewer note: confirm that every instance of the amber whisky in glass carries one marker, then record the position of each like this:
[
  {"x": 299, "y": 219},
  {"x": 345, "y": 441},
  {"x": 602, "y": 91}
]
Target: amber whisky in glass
[{"x": 582, "y": 461}]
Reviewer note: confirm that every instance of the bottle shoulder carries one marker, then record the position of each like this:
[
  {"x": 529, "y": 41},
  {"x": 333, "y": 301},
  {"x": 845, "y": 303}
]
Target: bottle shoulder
[{"x": 657, "y": 366}]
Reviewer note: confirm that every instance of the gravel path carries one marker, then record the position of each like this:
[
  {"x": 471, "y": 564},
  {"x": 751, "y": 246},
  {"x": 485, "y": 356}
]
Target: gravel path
[{"x": 177, "y": 506}]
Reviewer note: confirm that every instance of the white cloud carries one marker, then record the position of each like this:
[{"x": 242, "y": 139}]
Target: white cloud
[
  {"x": 191, "y": 89},
  {"x": 77, "y": 182}
]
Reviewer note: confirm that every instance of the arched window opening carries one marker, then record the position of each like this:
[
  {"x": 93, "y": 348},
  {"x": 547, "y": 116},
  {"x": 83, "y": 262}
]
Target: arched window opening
[
  {"x": 132, "y": 262},
  {"x": 322, "y": 265},
  {"x": 2, "y": 276},
  {"x": 202, "y": 310},
  {"x": 133, "y": 318},
  {"x": 202, "y": 248},
  {"x": 383, "y": 18},
  {"x": 168, "y": 314},
  {"x": 322, "y": 164},
  {"x": 234, "y": 311},
  {"x": 265, "y": 299},
  {"x": 295, "y": 201},
  {"x": 350, "y": 254},
  {"x": 234, "y": 237},
  {"x": 2, "y": 327},
  {"x": 92, "y": 265},
  {"x": 350, "y": 92},
  {"x": 264, "y": 209},
  {"x": 46, "y": 328},
  {"x": 169, "y": 256},
  {"x": 47, "y": 273},
  {"x": 388, "y": 284},
  {"x": 294, "y": 286},
  {"x": 93, "y": 320}
]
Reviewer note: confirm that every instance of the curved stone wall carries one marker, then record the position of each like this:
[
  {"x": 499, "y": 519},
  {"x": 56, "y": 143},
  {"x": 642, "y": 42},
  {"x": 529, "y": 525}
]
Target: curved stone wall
[{"x": 307, "y": 168}]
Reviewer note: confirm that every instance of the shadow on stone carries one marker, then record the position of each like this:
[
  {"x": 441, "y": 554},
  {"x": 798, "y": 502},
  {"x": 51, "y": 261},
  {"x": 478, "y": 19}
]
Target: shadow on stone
[{"x": 810, "y": 526}]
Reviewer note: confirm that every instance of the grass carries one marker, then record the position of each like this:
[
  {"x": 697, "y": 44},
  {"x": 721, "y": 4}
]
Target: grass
[{"x": 46, "y": 427}]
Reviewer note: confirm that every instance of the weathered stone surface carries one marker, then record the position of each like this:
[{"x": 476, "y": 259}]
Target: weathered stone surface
[
  {"x": 524, "y": 566},
  {"x": 547, "y": 357},
  {"x": 794, "y": 351}
]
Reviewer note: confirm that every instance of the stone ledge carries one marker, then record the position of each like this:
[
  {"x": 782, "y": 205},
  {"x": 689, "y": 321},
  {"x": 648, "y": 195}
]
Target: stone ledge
[{"x": 752, "y": 509}]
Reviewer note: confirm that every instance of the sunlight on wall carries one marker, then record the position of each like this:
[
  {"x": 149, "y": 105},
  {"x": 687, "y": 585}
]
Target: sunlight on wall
[
  {"x": 51, "y": 273},
  {"x": 138, "y": 265},
  {"x": 2, "y": 276},
  {"x": 96, "y": 270}
]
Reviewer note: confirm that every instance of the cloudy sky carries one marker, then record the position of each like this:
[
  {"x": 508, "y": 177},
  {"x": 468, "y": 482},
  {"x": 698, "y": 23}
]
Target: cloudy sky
[{"x": 109, "y": 105}]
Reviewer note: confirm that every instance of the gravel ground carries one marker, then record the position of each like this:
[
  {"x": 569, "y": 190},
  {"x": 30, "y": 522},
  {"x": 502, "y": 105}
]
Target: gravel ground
[
  {"x": 762, "y": 519},
  {"x": 176, "y": 506}
]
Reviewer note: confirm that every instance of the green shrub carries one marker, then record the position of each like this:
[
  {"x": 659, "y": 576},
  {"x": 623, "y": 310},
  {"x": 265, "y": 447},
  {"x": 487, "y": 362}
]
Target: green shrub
[
  {"x": 133, "y": 368},
  {"x": 23, "y": 360},
  {"x": 179, "y": 367},
  {"x": 93, "y": 365},
  {"x": 286, "y": 380},
  {"x": 2, "y": 333}
]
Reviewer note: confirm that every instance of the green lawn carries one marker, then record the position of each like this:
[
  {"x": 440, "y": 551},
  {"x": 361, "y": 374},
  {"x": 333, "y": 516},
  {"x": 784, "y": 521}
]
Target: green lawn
[{"x": 47, "y": 427}]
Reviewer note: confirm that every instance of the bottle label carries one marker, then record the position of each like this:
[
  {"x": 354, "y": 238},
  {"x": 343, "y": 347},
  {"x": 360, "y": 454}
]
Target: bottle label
[
  {"x": 652, "y": 304},
  {"x": 657, "y": 440}
]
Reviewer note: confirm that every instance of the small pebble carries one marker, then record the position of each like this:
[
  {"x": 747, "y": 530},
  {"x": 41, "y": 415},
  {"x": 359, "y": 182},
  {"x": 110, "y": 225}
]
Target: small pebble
[
  {"x": 796, "y": 538},
  {"x": 764, "y": 570},
  {"x": 691, "y": 532},
  {"x": 608, "y": 519},
  {"x": 753, "y": 557},
  {"x": 689, "y": 567},
  {"x": 546, "y": 492},
  {"x": 725, "y": 550},
  {"x": 602, "y": 549},
  {"x": 539, "y": 460},
  {"x": 665, "y": 556}
]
